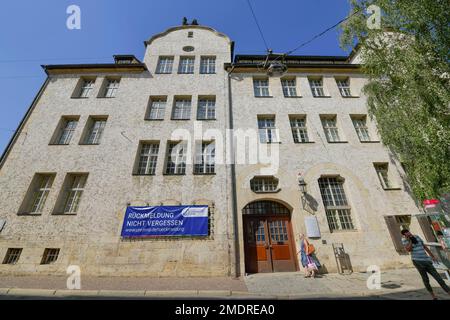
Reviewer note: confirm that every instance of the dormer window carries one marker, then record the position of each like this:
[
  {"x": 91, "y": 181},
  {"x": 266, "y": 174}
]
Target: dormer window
[{"x": 264, "y": 184}]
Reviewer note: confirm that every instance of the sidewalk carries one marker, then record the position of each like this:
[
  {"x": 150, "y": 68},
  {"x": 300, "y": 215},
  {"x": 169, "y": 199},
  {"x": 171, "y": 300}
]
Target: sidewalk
[{"x": 395, "y": 284}]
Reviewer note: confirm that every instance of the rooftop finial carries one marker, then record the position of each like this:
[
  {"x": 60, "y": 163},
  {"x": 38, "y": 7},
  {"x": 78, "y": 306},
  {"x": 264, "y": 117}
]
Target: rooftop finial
[
  {"x": 195, "y": 22},
  {"x": 185, "y": 21}
]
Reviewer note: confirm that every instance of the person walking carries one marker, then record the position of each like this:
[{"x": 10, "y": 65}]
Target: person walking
[
  {"x": 422, "y": 259},
  {"x": 308, "y": 258}
]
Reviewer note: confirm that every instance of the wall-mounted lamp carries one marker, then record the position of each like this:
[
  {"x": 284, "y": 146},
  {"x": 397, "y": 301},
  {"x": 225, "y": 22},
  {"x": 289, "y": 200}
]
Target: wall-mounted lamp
[{"x": 302, "y": 184}]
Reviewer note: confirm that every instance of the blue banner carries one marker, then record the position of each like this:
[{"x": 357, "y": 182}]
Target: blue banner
[{"x": 165, "y": 221}]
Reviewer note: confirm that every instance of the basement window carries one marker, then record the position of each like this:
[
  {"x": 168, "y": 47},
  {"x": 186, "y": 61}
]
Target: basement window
[
  {"x": 12, "y": 256},
  {"x": 264, "y": 184},
  {"x": 50, "y": 256}
]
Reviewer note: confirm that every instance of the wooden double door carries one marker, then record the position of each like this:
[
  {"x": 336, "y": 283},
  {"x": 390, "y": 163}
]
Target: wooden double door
[{"x": 269, "y": 244}]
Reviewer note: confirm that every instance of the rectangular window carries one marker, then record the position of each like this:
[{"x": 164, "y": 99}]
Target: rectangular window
[
  {"x": 299, "y": 130},
  {"x": 165, "y": 65},
  {"x": 267, "y": 130},
  {"x": 12, "y": 256},
  {"x": 208, "y": 65},
  {"x": 344, "y": 87},
  {"x": 75, "y": 184},
  {"x": 330, "y": 128},
  {"x": 50, "y": 256},
  {"x": 205, "y": 155},
  {"x": 206, "y": 109},
  {"x": 37, "y": 193},
  {"x": 382, "y": 170},
  {"x": 395, "y": 225},
  {"x": 112, "y": 86},
  {"x": 148, "y": 158},
  {"x": 264, "y": 184},
  {"x": 186, "y": 65},
  {"x": 40, "y": 196},
  {"x": 67, "y": 129},
  {"x": 289, "y": 87},
  {"x": 337, "y": 208},
  {"x": 261, "y": 87},
  {"x": 87, "y": 87},
  {"x": 317, "y": 87},
  {"x": 176, "y": 158},
  {"x": 157, "y": 109},
  {"x": 360, "y": 124},
  {"x": 96, "y": 129},
  {"x": 181, "y": 109}
]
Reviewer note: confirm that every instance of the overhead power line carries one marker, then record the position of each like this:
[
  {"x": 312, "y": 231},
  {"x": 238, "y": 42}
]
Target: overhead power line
[{"x": 257, "y": 24}]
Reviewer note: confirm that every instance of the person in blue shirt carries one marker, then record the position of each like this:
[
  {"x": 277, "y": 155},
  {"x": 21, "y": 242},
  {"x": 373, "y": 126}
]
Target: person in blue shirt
[{"x": 422, "y": 259}]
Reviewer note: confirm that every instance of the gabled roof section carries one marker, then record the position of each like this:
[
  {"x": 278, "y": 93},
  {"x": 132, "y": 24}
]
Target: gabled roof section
[{"x": 185, "y": 27}]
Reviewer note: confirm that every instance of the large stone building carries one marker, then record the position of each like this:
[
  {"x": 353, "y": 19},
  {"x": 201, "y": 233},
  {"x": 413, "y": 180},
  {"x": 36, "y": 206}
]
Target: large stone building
[{"x": 99, "y": 138}]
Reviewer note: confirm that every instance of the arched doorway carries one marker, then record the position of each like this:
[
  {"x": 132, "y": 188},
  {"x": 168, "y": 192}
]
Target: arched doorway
[{"x": 268, "y": 238}]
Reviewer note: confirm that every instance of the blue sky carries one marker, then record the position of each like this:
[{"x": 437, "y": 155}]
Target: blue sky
[{"x": 35, "y": 33}]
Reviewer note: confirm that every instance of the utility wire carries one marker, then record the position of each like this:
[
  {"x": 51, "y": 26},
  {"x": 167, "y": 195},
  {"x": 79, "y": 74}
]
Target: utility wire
[
  {"x": 257, "y": 24},
  {"x": 318, "y": 35}
]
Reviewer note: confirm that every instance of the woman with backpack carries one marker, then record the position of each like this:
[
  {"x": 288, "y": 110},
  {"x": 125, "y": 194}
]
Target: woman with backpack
[{"x": 308, "y": 258}]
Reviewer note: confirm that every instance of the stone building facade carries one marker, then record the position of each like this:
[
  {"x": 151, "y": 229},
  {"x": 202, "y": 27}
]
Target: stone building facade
[{"x": 97, "y": 139}]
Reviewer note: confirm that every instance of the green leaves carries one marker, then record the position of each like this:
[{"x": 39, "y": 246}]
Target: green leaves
[{"x": 407, "y": 63}]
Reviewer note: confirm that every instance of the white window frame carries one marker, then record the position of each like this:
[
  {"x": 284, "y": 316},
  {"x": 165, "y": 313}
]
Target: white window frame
[
  {"x": 176, "y": 151},
  {"x": 317, "y": 88},
  {"x": 112, "y": 86},
  {"x": 261, "y": 87},
  {"x": 268, "y": 132},
  {"x": 157, "y": 109},
  {"x": 74, "y": 193},
  {"x": 67, "y": 130},
  {"x": 344, "y": 87},
  {"x": 87, "y": 86},
  {"x": 208, "y": 65},
  {"x": 330, "y": 128},
  {"x": 337, "y": 208},
  {"x": 40, "y": 196},
  {"x": 264, "y": 184},
  {"x": 206, "y": 109},
  {"x": 182, "y": 109},
  {"x": 186, "y": 65},
  {"x": 165, "y": 65},
  {"x": 289, "y": 87},
  {"x": 299, "y": 129},
  {"x": 382, "y": 170},
  {"x": 362, "y": 130},
  {"x": 96, "y": 130},
  {"x": 205, "y": 158},
  {"x": 148, "y": 158}
]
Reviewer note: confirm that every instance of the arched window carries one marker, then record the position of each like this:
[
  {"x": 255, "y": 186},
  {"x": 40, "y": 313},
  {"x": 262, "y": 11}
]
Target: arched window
[{"x": 265, "y": 207}]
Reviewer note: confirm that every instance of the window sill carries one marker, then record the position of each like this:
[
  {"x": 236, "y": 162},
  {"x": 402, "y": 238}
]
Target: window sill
[
  {"x": 265, "y": 192},
  {"x": 206, "y": 119},
  {"x": 26, "y": 214},
  {"x": 263, "y": 96},
  {"x": 58, "y": 144},
  {"x": 370, "y": 141},
  {"x": 306, "y": 142},
  {"x": 204, "y": 174},
  {"x": 106, "y": 98},
  {"x": 163, "y": 72},
  {"x": 147, "y": 119},
  {"x": 293, "y": 97},
  {"x": 274, "y": 142},
  {"x": 64, "y": 214},
  {"x": 180, "y": 119},
  {"x": 350, "y": 97},
  {"x": 337, "y": 142},
  {"x": 321, "y": 96},
  {"x": 143, "y": 175},
  {"x": 344, "y": 231},
  {"x": 186, "y": 73},
  {"x": 174, "y": 174},
  {"x": 392, "y": 189},
  {"x": 206, "y": 74},
  {"x": 89, "y": 144}
]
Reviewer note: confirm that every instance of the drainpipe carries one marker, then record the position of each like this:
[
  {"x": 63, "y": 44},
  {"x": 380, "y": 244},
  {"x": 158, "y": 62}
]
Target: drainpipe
[{"x": 237, "y": 259}]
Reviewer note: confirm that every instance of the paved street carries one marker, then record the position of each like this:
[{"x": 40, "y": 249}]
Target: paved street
[{"x": 402, "y": 284}]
